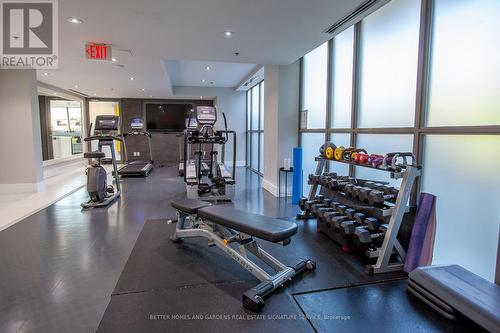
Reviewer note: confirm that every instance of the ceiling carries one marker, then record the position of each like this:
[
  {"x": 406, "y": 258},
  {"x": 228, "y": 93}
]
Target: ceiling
[
  {"x": 148, "y": 35},
  {"x": 207, "y": 73}
]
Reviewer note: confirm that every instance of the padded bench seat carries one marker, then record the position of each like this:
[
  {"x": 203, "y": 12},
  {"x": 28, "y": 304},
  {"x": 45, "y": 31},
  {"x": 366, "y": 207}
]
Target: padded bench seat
[
  {"x": 189, "y": 206},
  {"x": 260, "y": 226}
]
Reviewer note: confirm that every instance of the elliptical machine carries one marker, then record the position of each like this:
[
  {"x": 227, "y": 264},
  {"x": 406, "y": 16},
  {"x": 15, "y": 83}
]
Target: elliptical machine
[
  {"x": 101, "y": 194},
  {"x": 208, "y": 178}
]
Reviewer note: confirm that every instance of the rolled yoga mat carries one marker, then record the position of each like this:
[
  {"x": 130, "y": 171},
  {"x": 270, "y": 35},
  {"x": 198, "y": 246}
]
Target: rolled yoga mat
[
  {"x": 422, "y": 236},
  {"x": 297, "y": 175}
]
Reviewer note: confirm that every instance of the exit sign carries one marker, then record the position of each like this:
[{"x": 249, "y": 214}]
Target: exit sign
[{"x": 97, "y": 51}]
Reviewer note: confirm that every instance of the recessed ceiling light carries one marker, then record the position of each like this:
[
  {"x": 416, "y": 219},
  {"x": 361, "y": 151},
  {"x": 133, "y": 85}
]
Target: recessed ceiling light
[
  {"x": 95, "y": 94},
  {"x": 132, "y": 78},
  {"x": 208, "y": 68},
  {"x": 76, "y": 86},
  {"x": 203, "y": 80},
  {"x": 228, "y": 33},
  {"x": 54, "y": 94},
  {"x": 46, "y": 73},
  {"x": 114, "y": 59},
  {"x": 143, "y": 89},
  {"x": 74, "y": 20},
  {"x": 201, "y": 97}
]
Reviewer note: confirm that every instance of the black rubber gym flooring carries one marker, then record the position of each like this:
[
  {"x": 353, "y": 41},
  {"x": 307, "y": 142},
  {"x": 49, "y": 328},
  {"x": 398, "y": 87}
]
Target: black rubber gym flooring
[
  {"x": 188, "y": 286},
  {"x": 61, "y": 267}
]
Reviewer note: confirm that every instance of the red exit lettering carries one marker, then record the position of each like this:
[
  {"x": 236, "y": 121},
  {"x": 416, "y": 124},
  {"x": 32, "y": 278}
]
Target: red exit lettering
[{"x": 97, "y": 51}]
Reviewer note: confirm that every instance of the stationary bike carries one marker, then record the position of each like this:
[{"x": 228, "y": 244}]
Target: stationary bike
[{"x": 101, "y": 194}]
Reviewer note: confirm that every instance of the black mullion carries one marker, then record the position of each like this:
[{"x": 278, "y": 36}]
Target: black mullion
[
  {"x": 423, "y": 74},
  {"x": 355, "y": 90}
]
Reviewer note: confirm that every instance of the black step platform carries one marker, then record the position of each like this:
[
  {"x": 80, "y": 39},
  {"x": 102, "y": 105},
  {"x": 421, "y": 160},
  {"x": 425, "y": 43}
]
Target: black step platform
[{"x": 167, "y": 286}]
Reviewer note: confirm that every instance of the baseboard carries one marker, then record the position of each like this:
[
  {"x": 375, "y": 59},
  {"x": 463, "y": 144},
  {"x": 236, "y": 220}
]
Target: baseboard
[
  {"x": 74, "y": 165},
  {"x": 22, "y": 188},
  {"x": 270, "y": 187}
]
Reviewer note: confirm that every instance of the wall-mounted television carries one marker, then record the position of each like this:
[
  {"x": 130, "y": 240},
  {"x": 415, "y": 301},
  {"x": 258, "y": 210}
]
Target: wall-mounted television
[{"x": 167, "y": 117}]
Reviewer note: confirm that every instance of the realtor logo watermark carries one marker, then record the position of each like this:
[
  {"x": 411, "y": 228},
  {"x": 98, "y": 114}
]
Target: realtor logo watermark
[{"x": 29, "y": 34}]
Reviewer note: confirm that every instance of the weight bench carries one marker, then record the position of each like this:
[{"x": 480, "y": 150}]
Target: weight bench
[{"x": 223, "y": 226}]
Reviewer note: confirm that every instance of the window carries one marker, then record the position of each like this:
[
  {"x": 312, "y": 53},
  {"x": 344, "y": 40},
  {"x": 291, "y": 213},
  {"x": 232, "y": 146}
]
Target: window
[
  {"x": 455, "y": 91},
  {"x": 342, "y": 59},
  {"x": 255, "y": 128},
  {"x": 464, "y": 79},
  {"x": 314, "y": 81},
  {"x": 388, "y": 65},
  {"x": 468, "y": 201},
  {"x": 61, "y": 128}
]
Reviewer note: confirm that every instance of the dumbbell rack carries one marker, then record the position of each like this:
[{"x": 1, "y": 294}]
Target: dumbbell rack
[{"x": 408, "y": 174}]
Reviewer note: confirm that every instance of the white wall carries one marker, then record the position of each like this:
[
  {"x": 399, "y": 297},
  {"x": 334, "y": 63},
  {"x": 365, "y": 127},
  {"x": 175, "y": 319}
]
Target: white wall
[
  {"x": 20, "y": 138},
  {"x": 233, "y": 104},
  {"x": 281, "y": 103}
]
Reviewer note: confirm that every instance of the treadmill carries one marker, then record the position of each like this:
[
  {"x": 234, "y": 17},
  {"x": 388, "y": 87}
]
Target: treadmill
[{"x": 137, "y": 168}]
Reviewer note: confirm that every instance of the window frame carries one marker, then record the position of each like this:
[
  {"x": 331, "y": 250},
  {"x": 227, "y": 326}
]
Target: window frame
[
  {"x": 419, "y": 130},
  {"x": 250, "y": 145}
]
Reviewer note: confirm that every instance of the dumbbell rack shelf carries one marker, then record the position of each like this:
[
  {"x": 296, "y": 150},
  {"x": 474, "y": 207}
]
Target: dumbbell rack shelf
[{"x": 408, "y": 174}]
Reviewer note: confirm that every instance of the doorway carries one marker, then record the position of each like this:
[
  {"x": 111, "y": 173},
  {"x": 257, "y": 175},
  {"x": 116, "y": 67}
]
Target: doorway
[{"x": 104, "y": 108}]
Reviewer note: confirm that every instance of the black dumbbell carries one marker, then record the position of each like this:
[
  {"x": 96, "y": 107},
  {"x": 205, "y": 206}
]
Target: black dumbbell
[
  {"x": 302, "y": 203},
  {"x": 363, "y": 237},
  {"x": 363, "y": 193},
  {"x": 355, "y": 191},
  {"x": 312, "y": 179},
  {"x": 372, "y": 224},
  {"x": 324, "y": 203},
  {"x": 338, "y": 183},
  {"x": 348, "y": 189},
  {"x": 377, "y": 197},
  {"x": 347, "y": 228}
]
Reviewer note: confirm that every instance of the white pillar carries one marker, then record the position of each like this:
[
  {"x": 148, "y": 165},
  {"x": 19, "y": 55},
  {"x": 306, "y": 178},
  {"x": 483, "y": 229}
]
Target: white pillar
[
  {"x": 281, "y": 119},
  {"x": 21, "y": 169}
]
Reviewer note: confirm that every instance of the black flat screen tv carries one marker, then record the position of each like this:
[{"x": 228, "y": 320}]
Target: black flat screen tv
[{"x": 167, "y": 117}]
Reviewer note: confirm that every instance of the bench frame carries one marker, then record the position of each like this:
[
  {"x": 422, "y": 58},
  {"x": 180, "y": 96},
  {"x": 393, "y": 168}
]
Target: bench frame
[{"x": 191, "y": 225}]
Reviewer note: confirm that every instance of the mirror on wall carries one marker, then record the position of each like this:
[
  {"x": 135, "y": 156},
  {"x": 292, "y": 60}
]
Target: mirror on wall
[{"x": 61, "y": 124}]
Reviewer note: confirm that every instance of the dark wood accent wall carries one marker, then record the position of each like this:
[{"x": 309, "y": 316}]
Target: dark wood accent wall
[
  {"x": 165, "y": 146},
  {"x": 45, "y": 127}
]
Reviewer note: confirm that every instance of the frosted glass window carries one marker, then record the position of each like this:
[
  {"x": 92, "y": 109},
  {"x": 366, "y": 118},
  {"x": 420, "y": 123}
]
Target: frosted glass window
[
  {"x": 343, "y": 57},
  {"x": 465, "y": 80},
  {"x": 382, "y": 144},
  {"x": 262, "y": 106},
  {"x": 255, "y": 151},
  {"x": 255, "y": 108},
  {"x": 310, "y": 149},
  {"x": 340, "y": 139},
  {"x": 314, "y": 75},
  {"x": 468, "y": 200},
  {"x": 388, "y": 60}
]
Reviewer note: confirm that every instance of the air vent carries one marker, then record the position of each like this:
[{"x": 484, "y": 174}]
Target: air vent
[
  {"x": 357, "y": 15},
  {"x": 78, "y": 92}
]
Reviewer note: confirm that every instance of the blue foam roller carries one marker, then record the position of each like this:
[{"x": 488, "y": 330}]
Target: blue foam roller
[{"x": 297, "y": 175}]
